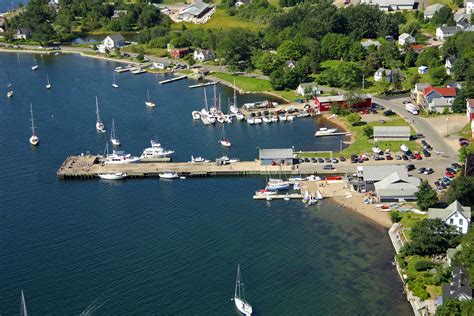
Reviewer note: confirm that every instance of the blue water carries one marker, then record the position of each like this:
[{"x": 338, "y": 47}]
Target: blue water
[
  {"x": 156, "y": 247},
  {"x": 6, "y": 5}
]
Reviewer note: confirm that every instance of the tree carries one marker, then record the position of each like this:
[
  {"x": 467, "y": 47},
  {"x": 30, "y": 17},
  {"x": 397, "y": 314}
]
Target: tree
[
  {"x": 453, "y": 307},
  {"x": 443, "y": 16},
  {"x": 426, "y": 196},
  {"x": 382, "y": 86},
  {"x": 354, "y": 118},
  {"x": 429, "y": 57},
  {"x": 466, "y": 255},
  {"x": 266, "y": 62},
  {"x": 368, "y": 131},
  {"x": 462, "y": 190},
  {"x": 410, "y": 58},
  {"x": 390, "y": 55},
  {"x": 289, "y": 50},
  {"x": 430, "y": 237},
  {"x": 438, "y": 75},
  {"x": 349, "y": 75}
]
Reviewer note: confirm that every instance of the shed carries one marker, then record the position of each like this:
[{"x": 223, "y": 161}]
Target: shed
[
  {"x": 382, "y": 133},
  {"x": 276, "y": 156}
]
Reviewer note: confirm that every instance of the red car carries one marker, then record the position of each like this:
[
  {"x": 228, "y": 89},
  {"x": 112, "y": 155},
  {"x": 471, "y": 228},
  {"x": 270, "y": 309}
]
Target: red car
[
  {"x": 418, "y": 157},
  {"x": 449, "y": 174},
  {"x": 389, "y": 157}
]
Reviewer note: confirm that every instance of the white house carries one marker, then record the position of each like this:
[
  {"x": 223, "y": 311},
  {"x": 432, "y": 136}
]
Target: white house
[
  {"x": 469, "y": 7},
  {"x": 406, "y": 39},
  {"x": 449, "y": 64},
  {"x": 161, "y": 64},
  {"x": 21, "y": 34},
  {"x": 455, "y": 214},
  {"x": 423, "y": 70},
  {"x": 290, "y": 64},
  {"x": 432, "y": 9},
  {"x": 306, "y": 87},
  {"x": 443, "y": 32},
  {"x": 440, "y": 105},
  {"x": 203, "y": 55},
  {"x": 388, "y": 74},
  {"x": 111, "y": 42},
  {"x": 391, "y": 5}
]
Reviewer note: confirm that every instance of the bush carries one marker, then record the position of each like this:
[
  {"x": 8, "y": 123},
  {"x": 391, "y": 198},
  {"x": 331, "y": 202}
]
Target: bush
[
  {"x": 361, "y": 123},
  {"x": 368, "y": 131},
  {"x": 395, "y": 216},
  {"x": 419, "y": 289},
  {"x": 423, "y": 265}
]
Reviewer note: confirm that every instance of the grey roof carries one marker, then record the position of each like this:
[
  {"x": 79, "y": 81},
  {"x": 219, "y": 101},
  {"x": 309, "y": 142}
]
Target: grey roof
[
  {"x": 285, "y": 153},
  {"x": 450, "y": 29},
  {"x": 445, "y": 213},
  {"x": 196, "y": 8},
  {"x": 432, "y": 9},
  {"x": 391, "y": 3},
  {"x": 421, "y": 86},
  {"x": 392, "y": 131},
  {"x": 397, "y": 185},
  {"x": 370, "y": 42},
  {"x": 459, "y": 285},
  {"x": 379, "y": 172},
  {"x": 405, "y": 36},
  {"x": 116, "y": 37}
]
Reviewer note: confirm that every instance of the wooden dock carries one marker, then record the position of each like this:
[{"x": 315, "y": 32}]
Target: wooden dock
[
  {"x": 200, "y": 85},
  {"x": 173, "y": 79},
  {"x": 334, "y": 134},
  {"x": 278, "y": 196}
]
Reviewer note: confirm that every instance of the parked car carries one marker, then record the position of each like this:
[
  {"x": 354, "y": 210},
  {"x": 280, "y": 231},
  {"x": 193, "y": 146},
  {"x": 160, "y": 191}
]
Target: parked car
[
  {"x": 327, "y": 160},
  {"x": 450, "y": 170},
  {"x": 426, "y": 153},
  {"x": 320, "y": 160},
  {"x": 405, "y": 157},
  {"x": 334, "y": 160},
  {"x": 418, "y": 156},
  {"x": 428, "y": 171},
  {"x": 398, "y": 157},
  {"x": 388, "y": 157},
  {"x": 342, "y": 159},
  {"x": 421, "y": 170},
  {"x": 455, "y": 168},
  {"x": 419, "y": 135},
  {"x": 449, "y": 175},
  {"x": 313, "y": 160},
  {"x": 455, "y": 164},
  {"x": 306, "y": 160},
  {"x": 328, "y": 167},
  {"x": 388, "y": 113},
  {"x": 410, "y": 167}
]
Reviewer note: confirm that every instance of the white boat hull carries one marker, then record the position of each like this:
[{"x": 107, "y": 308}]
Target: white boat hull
[
  {"x": 225, "y": 143},
  {"x": 34, "y": 140},
  {"x": 115, "y": 142},
  {"x": 168, "y": 175},
  {"x": 112, "y": 176},
  {"x": 243, "y": 306},
  {"x": 114, "y": 85}
]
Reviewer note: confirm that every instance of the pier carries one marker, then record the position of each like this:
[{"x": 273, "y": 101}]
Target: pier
[
  {"x": 200, "y": 85},
  {"x": 173, "y": 79}
]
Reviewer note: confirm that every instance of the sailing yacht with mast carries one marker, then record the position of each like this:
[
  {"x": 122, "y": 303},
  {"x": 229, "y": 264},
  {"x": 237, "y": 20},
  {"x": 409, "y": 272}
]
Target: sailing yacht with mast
[
  {"x": 115, "y": 85},
  {"x": 224, "y": 141},
  {"x": 99, "y": 126},
  {"x": 23, "y": 311},
  {"x": 10, "y": 91},
  {"x": 113, "y": 138},
  {"x": 34, "y": 140},
  {"x": 242, "y": 305},
  {"x": 149, "y": 102},
  {"x": 35, "y": 66},
  {"x": 48, "y": 84},
  {"x": 233, "y": 108}
]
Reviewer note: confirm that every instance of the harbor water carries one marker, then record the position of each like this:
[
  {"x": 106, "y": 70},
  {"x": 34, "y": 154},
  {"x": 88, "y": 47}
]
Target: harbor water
[{"x": 166, "y": 247}]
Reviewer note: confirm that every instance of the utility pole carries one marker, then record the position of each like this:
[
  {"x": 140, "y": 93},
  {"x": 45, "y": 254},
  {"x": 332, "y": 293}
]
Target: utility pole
[{"x": 447, "y": 126}]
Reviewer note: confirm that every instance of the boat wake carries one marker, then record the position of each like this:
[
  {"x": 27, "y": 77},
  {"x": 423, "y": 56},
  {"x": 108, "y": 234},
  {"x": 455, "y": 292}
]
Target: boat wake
[{"x": 93, "y": 307}]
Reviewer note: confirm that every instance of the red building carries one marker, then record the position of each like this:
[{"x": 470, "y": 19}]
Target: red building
[
  {"x": 324, "y": 103},
  {"x": 179, "y": 52}
]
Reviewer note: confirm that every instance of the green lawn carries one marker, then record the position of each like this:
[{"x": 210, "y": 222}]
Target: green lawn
[
  {"x": 221, "y": 20},
  {"x": 409, "y": 219},
  {"x": 466, "y": 131},
  {"x": 255, "y": 85},
  {"x": 424, "y": 78},
  {"x": 330, "y": 63}
]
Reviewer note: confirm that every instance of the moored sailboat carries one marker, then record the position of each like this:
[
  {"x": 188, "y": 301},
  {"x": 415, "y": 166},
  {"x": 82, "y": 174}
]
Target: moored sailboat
[
  {"x": 34, "y": 140},
  {"x": 149, "y": 102},
  {"x": 48, "y": 84},
  {"x": 35, "y": 65},
  {"x": 224, "y": 141},
  {"x": 99, "y": 126},
  {"x": 115, "y": 85},
  {"x": 242, "y": 305},
  {"x": 113, "y": 138}
]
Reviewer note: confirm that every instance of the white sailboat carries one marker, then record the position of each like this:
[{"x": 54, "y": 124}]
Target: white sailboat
[
  {"x": 35, "y": 66},
  {"x": 242, "y": 305},
  {"x": 233, "y": 108},
  {"x": 149, "y": 102},
  {"x": 115, "y": 85},
  {"x": 34, "y": 140},
  {"x": 23, "y": 311},
  {"x": 99, "y": 126},
  {"x": 204, "y": 114},
  {"x": 113, "y": 138},
  {"x": 10, "y": 91},
  {"x": 224, "y": 141},
  {"x": 48, "y": 84}
]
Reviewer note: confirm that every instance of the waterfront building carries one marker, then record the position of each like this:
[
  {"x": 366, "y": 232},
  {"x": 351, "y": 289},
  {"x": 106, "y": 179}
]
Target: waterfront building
[
  {"x": 455, "y": 214},
  {"x": 270, "y": 157},
  {"x": 161, "y": 64},
  {"x": 398, "y": 186},
  {"x": 458, "y": 289},
  {"x": 179, "y": 52},
  {"x": 111, "y": 42},
  {"x": 308, "y": 88},
  {"x": 324, "y": 103},
  {"x": 369, "y": 175},
  {"x": 202, "y": 55},
  {"x": 398, "y": 133}
]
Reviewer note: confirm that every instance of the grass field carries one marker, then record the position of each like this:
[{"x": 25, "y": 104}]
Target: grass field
[
  {"x": 255, "y": 85},
  {"x": 333, "y": 63},
  {"x": 221, "y": 20}
]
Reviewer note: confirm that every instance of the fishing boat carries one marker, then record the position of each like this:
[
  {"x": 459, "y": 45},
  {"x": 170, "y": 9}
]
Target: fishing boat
[
  {"x": 199, "y": 160},
  {"x": 112, "y": 176},
  {"x": 324, "y": 131},
  {"x": 23, "y": 310},
  {"x": 169, "y": 175},
  {"x": 35, "y": 66},
  {"x": 119, "y": 158},
  {"x": 113, "y": 138},
  {"x": 242, "y": 305},
  {"x": 224, "y": 141},
  {"x": 34, "y": 140},
  {"x": 48, "y": 84},
  {"x": 196, "y": 115},
  {"x": 115, "y": 85},
  {"x": 99, "y": 126},
  {"x": 149, "y": 102},
  {"x": 155, "y": 152}
]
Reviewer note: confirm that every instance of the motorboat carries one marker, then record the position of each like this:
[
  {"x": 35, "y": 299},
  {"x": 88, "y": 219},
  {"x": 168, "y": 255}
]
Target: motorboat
[
  {"x": 251, "y": 120},
  {"x": 196, "y": 115},
  {"x": 324, "y": 131},
  {"x": 113, "y": 138},
  {"x": 282, "y": 117},
  {"x": 34, "y": 140},
  {"x": 274, "y": 119},
  {"x": 232, "y": 160},
  {"x": 199, "y": 160},
  {"x": 155, "y": 152},
  {"x": 112, "y": 176},
  {"x": 290, "y": 118},
  {"x": 258, "y": 120},
  {"x": 119, "y": 158},
  {"x": 169, "y": 175},
  {"x": 148, "y": 102},
  {"x": 278, "y": 186},
  {"x": 264, "y": 192},
  {"x": 48, "y": 84},
  {"x": 99, "y": 126},
  {"x": 239, "y": 116},
  {"x": 266, "y": 119},
  {"x": 303, "y": 114},
  {"x": 242, "y": 305}
]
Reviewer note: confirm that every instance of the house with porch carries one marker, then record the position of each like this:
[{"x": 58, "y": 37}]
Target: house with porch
[
  {"x": 202, "y": 55},
  {"x": 455, "y": 214}
]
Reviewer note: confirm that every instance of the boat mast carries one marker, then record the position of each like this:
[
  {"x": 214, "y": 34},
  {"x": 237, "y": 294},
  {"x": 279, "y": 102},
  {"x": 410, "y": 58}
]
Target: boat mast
[
  {"x": 219, "y": 102},
  {"x": 235, "y": 95},
  {"x": 148, "y": 94},
  {"x": 205, "y": 100},
  {"x": 237, "y": 282},
  {"x": 112, "y": 134},
  {"x": 47, "y": 79},
  {"x": 32, "y": 123},
  {"x": 97, "y": 108},
  {"x": 215, "y": 96},
  {"x": 23, "y": 311}
]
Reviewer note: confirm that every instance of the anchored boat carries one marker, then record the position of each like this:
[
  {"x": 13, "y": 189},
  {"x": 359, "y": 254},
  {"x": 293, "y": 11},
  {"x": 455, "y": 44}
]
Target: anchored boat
[
  {"x": 242, "y": 305},
  {"x": 34, "y": 140},
  {"x": 155, "y": 152},
  {"x": 99, "y": 126},
  {"x": 112, "y": 176}
]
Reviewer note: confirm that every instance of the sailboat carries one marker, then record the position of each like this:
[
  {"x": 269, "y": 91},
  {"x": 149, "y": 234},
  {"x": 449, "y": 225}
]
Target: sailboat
[
  {"x": 224, "y": 141},
  {"x": 23, "y": 311},
  {"x": 233, "y": 108},
  {"x": 10, "y": 90},
  {"x": 115, "y": 85},
  {"x": 149, "y": 102},
  {"x": 99, "y": 126},
  {"x": 48, "y": 84},
  {"x": 34, "y": 140},
  {"x": 35, "y": 66},
  {"x": 242, "y": 305},
  {"x": 113, "y": 138}
]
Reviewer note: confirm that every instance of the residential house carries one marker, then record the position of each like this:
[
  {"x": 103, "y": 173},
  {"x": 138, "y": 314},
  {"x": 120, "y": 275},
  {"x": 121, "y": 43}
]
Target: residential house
[
  {"x": 112, "y": 41},
  {"x": 388, "y": 74},
  {"x": 455, "y": 214},
  {"x": 397, "y": 187},
  {"x": 202, "y": 55},
  {"x": 417, "y": 92},
  {"x": 469, "y": 7},
  {"x": 453, "y": 84},
  {"x": 290, "y": 64},
  {"x": 470, "y": 109},
  {"x": 431, "y": 93},
  {"x": 443, "y": 32},
  {"x": 370, "y": 174},
  {"x": 440, "y": 105},
  {"x": 432, "y": 9},
  {"x": 179, "y": 52},
  {"x": 195, "y": 11},
  {"x": 461, "y": 14},
  {"x": 391, "y": 5},
  {"x": 21, "y": 34},
  {"x": 422, "y": 70},
  {"x": 406, "y": 39},
  {"x": 240, "y": 3},
  {"x": 449, "y": 64},
  {"x": 276, "y": 156},
  {"x": 118, "y": 13},
  {"x": 464, "y": 24},
  {"x": 458, "y": 288},
  {"x": 324, "y": 103},
  {"x": 164, "y": 64},
  {"x": 2, "y": 24},
  {"x": 392, "y": 133},
  {"x": 451, "y": 253},
  {"x": 308, "y": 88},
  {"x": 366, "y": 44}
]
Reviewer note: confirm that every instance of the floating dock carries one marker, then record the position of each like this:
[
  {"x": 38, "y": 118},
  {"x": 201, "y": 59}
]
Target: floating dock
[
  {"x": 334, "y": 134},
  {"x": 173, "y": 79},
  {"x": 200, "y": 85},
  {"x": 278, "y": 196}
]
